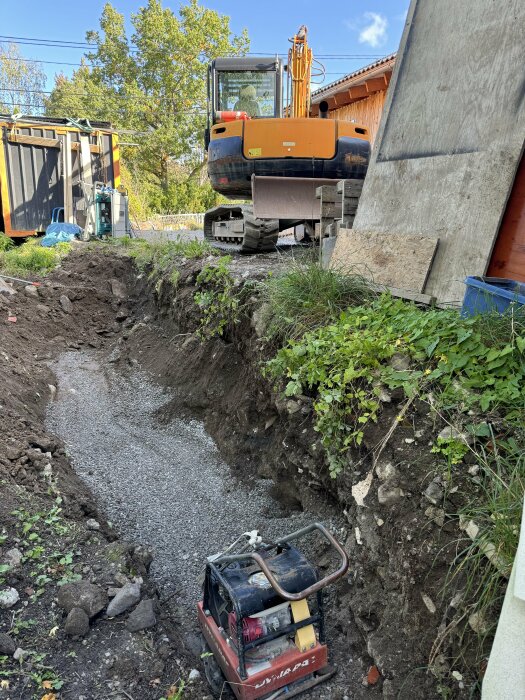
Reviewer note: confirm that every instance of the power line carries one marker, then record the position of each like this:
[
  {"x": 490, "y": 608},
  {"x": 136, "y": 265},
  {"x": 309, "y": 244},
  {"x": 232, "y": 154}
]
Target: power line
[{"x": 57, "y": 43}]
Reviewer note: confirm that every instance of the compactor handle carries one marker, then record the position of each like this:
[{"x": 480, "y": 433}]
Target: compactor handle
[{"x": 343, "y": 568}]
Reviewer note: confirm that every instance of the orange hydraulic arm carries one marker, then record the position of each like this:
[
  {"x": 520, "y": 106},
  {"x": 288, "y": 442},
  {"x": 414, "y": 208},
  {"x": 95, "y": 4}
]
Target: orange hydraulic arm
[{"x": 299, "y": 73}]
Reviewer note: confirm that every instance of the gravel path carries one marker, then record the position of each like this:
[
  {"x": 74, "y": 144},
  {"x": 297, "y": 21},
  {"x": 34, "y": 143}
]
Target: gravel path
[{"x": 162, "y": 485}]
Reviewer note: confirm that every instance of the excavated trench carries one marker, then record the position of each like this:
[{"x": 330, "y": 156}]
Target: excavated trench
[{"x": 183, "y": 445}]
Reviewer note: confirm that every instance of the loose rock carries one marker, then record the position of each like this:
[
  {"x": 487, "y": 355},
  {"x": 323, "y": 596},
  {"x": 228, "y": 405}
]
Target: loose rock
[
  {"x": 77, "y": 623},
  {"x": 434, "y": 493},
  {"x": 8, "y": 598},
  {"x": 92, "y": 524},
  {"x": 13, "y": 557},
  {"x": 66, "y": 304},
  {"x": 30, "y": 290},
  {"x": 7, "y": 645},
  {"x": 386, "y": 494},
  {"x": 142, "y": 617},
  {"x": 127, "y": 596},
  {"x": 82, "y": 594}
]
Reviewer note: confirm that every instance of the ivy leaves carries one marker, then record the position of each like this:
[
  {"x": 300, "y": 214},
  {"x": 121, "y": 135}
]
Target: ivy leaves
[{"x": 344, "y": 365}]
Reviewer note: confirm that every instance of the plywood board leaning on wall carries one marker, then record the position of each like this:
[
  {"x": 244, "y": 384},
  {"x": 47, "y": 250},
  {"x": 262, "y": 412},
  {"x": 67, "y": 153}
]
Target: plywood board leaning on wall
[{"x": 391, "y": 260}]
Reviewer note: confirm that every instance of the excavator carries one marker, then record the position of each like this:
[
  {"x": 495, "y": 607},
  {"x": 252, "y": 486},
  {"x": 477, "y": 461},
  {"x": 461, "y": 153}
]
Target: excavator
[{"x": 269, "y": 150}]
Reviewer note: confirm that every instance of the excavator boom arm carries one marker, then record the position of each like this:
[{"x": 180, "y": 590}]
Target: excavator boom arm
[{"x": 299, "y": 74}]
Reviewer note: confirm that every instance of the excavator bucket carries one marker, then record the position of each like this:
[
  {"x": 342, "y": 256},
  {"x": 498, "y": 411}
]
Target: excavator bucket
[{"x": 291, "y": 198}]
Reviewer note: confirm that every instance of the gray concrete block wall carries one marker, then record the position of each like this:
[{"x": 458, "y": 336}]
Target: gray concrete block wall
[{"x": 451, "y": 135}]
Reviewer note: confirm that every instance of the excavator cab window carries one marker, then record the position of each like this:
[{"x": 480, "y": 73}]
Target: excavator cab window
[
  {"x": 248, "y": 91},
  {"x": 245, "y": 84}
]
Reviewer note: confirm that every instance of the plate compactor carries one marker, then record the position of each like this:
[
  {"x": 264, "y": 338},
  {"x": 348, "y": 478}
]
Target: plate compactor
[{"x": 262, "y": 618}]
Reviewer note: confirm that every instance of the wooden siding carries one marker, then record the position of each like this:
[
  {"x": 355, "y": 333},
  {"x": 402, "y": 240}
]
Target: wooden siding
[
  {"x": 508, "y": 256},
  {"x": 366, "y": 112}
]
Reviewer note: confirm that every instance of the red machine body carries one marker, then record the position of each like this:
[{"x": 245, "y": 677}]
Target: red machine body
[
  {"x": 283, "y": 670},
  {"x": 265, "y": 639}
]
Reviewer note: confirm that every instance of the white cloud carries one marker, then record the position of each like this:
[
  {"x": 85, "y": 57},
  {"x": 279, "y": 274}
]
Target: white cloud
[{"x": 375, "y": 33}]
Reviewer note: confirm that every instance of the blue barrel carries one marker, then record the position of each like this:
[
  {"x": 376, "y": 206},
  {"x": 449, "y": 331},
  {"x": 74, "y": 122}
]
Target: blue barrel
[{"x": 489, "y": 294}]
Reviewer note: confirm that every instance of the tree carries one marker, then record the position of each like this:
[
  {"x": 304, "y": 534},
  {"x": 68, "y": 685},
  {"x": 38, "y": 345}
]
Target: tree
[
  {"x": 22, "y": 82},
  {"x": 153, "y": 83}
]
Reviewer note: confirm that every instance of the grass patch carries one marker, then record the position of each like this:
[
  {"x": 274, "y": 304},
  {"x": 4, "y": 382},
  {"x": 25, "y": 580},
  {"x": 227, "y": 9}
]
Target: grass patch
[
  {"x": 306, "y": 297},
  {"x": 32, "y": 258},
  {"x": 160, "y": 255},
  {"x": 453, "y": 362},
  {"x": 5, "y": 242}
]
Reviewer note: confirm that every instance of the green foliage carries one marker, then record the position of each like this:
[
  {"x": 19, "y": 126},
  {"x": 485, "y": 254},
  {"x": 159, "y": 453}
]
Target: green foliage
[
  {"x": 345, "y": 364},
  {"x": 153, "y": 82},
  {"x": 160, "y": 256},
  {"x": 5, "y": 242},
  {"x": 32, "y": 258},
  {"x": 452, "y": 449},
  {"x": 307, "y": 296},
  {"x": 216, "y": 298},
  {"x": 22, "y": 82}
]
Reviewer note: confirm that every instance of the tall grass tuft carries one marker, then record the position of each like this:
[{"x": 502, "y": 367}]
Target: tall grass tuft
[
  {"x": 32, "y": 258},
  {"x": 495, "y": 518},
  {"x": 308, "y": 296}
]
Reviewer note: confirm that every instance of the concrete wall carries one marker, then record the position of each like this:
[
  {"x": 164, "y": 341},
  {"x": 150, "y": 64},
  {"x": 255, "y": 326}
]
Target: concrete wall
[{"x": 451, "y": 134}]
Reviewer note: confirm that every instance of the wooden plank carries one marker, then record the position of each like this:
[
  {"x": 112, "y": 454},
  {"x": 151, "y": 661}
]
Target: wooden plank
[
  {"x": 350, "y": 188},
  {"x": 358, "y": 91},
  {"x": 93, "y": 147},
  {"x": 328, "y": 193},
  {"x": 401, "y": 261},
  {"x": 375, "y": 84},
  {"x": 34, "y": 140}
]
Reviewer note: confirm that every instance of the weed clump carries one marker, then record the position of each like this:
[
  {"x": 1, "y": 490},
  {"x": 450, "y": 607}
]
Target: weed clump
[
  {"x": 308, "y": 296},
  {"x": 160, "y": 255},
  {"x": 32, "y": 258},
  {"x": 5, "y": 242}
]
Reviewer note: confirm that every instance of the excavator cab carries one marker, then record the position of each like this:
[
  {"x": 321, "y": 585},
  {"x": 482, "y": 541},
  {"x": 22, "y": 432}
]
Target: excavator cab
[{"x": 250, "y": 86}]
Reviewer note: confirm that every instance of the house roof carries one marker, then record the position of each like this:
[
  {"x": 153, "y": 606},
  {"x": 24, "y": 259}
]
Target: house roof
[{"x": 381, "y": 68}]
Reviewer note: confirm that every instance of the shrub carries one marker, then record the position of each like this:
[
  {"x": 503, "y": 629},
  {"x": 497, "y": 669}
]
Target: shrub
[{"x": 5, "y": 242}]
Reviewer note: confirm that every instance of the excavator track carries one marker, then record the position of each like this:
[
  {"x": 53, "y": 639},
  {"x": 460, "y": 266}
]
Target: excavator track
[{"x": 236, "y": 226}]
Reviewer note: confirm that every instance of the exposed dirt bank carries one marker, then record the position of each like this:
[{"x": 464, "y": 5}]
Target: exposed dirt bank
[
  {"x": 395, "y": 610},
  {"x": 51, "y": 530}
]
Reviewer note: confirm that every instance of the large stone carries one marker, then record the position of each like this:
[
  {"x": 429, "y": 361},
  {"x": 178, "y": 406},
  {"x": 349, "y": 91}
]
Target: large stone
[
  {"x": 82, "y": 594},
  {"x": 127, "y": 596},
  {"x": 118, "y": 288},
  {"x": 388, "y": 494},
  {"x": 30, "y": 290},
  {"x": 385, "y": 470},
  {"x": 65, "y": 303},
  {"x": 13, "y": 557},
  {"x": 7, "y": 645},
  {"x": 77, "y": 623},
  {"x": 8, "y": 598},
  {"x": 142, "y": 617}
]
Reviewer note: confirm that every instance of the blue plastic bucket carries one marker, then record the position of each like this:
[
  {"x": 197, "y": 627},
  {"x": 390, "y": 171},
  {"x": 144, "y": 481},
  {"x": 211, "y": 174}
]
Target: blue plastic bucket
[{"x": 489, "y": 294}]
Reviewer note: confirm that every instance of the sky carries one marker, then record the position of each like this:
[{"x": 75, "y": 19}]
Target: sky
[{"x": 368, "y": 29}]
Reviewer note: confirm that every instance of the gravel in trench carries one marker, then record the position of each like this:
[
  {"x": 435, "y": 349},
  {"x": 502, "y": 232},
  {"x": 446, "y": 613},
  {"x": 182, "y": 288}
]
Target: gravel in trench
[{"x": 163, "y": 485}]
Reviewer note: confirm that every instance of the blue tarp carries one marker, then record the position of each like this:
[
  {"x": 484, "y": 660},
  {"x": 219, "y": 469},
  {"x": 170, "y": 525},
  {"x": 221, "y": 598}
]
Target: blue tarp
[{"x": 60, "y": 233}]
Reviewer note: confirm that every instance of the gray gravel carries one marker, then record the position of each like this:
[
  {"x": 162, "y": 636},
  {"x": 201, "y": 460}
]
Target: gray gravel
[{"x": 161, "y": 485}]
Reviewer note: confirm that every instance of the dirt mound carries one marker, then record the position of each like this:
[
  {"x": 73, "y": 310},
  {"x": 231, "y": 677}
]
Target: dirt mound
[{"x": 50, "y": 530}]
